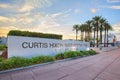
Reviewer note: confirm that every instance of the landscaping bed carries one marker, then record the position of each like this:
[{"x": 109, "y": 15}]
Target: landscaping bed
[{"x": 16, "y": 62}]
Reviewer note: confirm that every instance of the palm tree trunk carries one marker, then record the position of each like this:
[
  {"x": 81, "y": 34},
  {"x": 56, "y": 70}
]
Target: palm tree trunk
[
  {"x": 94, "y": 38},
  {"x": 82, "y": 35},
  {"x": 76, "y": 34},
  {"x": 105, "y": 39},
  {"x": 100, "y": 36},
  {"x": 97, "y": 36}
]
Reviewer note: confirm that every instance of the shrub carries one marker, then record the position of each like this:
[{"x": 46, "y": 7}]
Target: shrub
[
  {"x": 79, "y": 53},
  {"x": 34, "y": 34},
  {"x": 59, "y": 56},
  {"x": 19, "y": 61},
  {"x": 15, "y": 62},
  {"x": 2, "y": 47},
  {"x": 48, "y": 59},
  {"x": 93, "y": 52},
  {"x": 2, "y": 59},
  {"x": 70, "y": 54},
  {"x": 85, "y": 53},
  {"x": 42, "y": 59}
]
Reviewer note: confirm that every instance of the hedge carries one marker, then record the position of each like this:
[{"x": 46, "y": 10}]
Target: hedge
[
  {"x": 16, "y": 62},
  {"x": 34, "y": 34},
  {"x": 72, "y": 54}
]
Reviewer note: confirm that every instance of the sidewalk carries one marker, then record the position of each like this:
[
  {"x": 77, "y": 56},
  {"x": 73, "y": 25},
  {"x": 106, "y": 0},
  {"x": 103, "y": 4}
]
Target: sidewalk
[{"x": 105, "y": 66}]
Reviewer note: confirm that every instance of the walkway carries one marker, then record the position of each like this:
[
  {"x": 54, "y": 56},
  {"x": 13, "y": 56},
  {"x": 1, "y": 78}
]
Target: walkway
[{"x": 104, "y": 66}]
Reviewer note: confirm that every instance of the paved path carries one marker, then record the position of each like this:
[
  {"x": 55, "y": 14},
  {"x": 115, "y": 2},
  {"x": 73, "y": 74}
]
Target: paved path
[{"x": 104, "y": 66}]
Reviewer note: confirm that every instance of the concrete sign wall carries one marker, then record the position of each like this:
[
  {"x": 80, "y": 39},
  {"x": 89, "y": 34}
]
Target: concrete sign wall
[{"x": 29, "y": 46}]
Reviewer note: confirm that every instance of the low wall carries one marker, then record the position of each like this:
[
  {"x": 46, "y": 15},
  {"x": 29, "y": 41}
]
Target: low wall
[{"x": 30, "y": 46}]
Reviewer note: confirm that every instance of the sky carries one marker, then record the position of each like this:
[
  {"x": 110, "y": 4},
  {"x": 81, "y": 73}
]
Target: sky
[{"x": 55, "y": 16}]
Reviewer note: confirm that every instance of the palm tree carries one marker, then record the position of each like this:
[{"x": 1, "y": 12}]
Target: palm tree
[
  {"x": 81, "y": 28},
  {"x": 107, "y": 27},
  {"x": 89, "y": 29},
  {"x": 85, "y": 28},
  {"x": 102, "y": 22},
  {"x": 96, "y": 20},
  {"x": 76, "y": 28},
  {"x": 94, "y": 29}
]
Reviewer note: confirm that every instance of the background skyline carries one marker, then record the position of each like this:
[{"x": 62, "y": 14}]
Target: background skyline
[{"x": 55, "y": 16}]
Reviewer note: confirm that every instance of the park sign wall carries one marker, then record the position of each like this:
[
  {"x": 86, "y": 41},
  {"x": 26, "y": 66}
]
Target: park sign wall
[{"x": 29, "y": 46}]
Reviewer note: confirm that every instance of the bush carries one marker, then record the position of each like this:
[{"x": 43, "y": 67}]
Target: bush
[
  {"x": 79, "y": 53},
  {"x": 93, "y": 52},
  {"x": 15, "y": 62},
  {"x": 70, "y": 54},
  {"x": 42, "y": 59},
  {"x": 59, "y": 56},
  {"x": 2, "y": 59},
  {"x": 2, "y": 47},
  {"x": 86, "y": 53},
  {"x": 34, "y": 34},
  {"x": 48, "y": 59},
  {"x": 19, "y": 61}
]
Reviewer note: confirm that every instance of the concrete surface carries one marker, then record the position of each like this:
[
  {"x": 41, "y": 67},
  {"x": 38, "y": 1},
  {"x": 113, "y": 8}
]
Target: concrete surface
[{"x": 103, "y": 66}]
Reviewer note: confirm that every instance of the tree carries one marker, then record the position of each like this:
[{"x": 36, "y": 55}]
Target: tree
[
  {"x": 76, "y": 28},
  {"x": 85, "y": 27},
  {"x": 96, "y": 20},
  {"x": 94, "y": 30},
  {"x": 81, "y": 28},
  {"x": 89, "y": 22},
  {"x": 102, "y": 22},
  {"x": 107, "y": 27}
]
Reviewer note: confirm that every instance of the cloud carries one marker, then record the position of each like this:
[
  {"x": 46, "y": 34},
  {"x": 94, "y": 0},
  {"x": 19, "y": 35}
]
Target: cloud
[
  {"x": 6, "y": 19},
  {"x": 5, "y": 29},
  {"x": 116, "y": 27},
  {"x": 112, "y": 1},
  {"x": 4, "y": 6},
  {"x": 115, "y": 7},
  {"x": 32, "y": 4},
  {"x": 77, "y": 11},
  {"x": 22, "y": 18},
  {"x": 26, "y": 8},
  {"x": 93, "y": 10}
]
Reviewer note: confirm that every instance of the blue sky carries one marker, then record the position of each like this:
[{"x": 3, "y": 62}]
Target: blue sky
[{"x": 55, "y": 16}]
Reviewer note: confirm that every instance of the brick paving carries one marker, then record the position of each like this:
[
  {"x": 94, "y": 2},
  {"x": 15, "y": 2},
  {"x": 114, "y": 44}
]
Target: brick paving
[{"x": 103, "y": 66}]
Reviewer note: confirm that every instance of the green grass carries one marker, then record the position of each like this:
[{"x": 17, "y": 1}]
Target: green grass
[{"x": 16, "y": 62}]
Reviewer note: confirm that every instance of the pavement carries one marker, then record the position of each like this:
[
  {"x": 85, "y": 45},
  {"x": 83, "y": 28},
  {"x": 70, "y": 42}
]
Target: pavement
[{"x": 103, "y": 66}]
